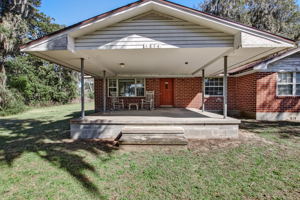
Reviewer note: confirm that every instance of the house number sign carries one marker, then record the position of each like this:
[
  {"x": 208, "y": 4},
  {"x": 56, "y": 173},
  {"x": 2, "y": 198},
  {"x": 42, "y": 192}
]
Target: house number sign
[{"x": 151, "y": 46}]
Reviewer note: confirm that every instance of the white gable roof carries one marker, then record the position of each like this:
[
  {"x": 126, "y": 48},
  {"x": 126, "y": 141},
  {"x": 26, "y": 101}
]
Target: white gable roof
[{"x": 244, "y": 44}]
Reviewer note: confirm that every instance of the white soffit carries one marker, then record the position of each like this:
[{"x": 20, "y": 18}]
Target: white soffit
[{"x": 241, "y": 57}]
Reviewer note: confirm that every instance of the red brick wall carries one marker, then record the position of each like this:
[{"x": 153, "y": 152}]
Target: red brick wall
[
  {"x": 267, "y": 101},
  {"x": 153, "y": 84},
  {"x": 98, "y": 88},
  {"x": 216, "y": 103},
  {"x": 187, "y": 92},
  {"x": 250, "y": 93},
  {"x": 246, "y": 93}
]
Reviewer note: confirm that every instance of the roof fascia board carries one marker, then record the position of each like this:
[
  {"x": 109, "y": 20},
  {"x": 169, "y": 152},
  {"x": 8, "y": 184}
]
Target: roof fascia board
[
  {"x": 30, "y": 47},
  {"x": 243, "y": 73},
  {"x": 156, "y": 75}
]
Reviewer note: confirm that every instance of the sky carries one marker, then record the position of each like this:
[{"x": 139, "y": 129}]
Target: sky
[{"x": 68, "y": 12}]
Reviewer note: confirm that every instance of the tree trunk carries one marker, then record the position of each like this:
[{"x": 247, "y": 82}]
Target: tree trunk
[{"x": 2, "y": 74}]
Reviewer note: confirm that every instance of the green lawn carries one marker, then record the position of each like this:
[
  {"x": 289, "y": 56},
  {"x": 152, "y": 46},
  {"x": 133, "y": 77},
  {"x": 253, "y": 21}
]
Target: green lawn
[{"x": 37, "y": 162}]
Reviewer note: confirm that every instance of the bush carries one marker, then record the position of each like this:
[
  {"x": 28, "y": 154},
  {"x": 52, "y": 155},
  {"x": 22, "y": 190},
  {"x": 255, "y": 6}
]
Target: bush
[
  {"x": 91, "y": 95},
  {"x": 11, "y": 102},
  {"x": 39, "y": 82}
]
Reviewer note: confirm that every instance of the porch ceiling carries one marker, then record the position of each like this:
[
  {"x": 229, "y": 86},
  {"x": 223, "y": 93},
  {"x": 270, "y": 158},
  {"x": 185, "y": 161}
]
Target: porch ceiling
[{"x": 156, "y": 62}]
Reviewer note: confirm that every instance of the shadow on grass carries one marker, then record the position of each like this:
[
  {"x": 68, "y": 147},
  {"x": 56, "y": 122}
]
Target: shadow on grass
[
  {"x": 46, "y": 139},
  {"x": 284, "y": 129}
]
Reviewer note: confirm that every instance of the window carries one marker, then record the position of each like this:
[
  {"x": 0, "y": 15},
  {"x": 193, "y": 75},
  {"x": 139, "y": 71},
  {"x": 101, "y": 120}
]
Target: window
[
  {"x": 298, "y": 84},
  {"x": 112, "y": 87},
  {"x": 288, "y": 84},
  {"x": 131, "y": 87},
  {"x": 214, "y": 86}
]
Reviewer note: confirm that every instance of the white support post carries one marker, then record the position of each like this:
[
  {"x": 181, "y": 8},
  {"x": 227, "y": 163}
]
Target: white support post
[
  {"x": 104, "y": 91},
  {"x": 225, "y": 83},
  {"x": 203, "y": 89},
  {"x": 82, "y": 88}
]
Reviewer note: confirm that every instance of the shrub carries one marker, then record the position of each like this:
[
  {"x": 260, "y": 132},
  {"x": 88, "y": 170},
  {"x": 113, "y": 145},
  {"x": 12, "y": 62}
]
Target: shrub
[{"x": 11, "y": 102}]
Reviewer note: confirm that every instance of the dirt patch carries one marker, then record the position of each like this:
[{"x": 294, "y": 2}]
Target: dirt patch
[{"x": 245, "y": 137}]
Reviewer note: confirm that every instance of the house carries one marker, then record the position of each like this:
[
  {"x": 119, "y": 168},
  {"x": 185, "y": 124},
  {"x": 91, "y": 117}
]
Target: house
[
  {"x": 272, "y": 85},
  {"x": 181, "y": 54}
]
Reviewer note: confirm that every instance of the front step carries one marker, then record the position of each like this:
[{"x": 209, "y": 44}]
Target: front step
[{"x": 153, "y": 135}]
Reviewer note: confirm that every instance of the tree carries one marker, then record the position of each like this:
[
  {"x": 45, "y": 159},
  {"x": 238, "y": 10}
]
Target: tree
[
  {"x": 230, "y": 9},
  {"x": 15, "y": 15},
  {"x": 277, "y": 16},
  {"x": 40, "y": 82},
  {"x": 24, "y": 78}
]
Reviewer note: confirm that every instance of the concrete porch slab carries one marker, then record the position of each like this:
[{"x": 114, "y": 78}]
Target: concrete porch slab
[
  {"x": 194, "y": 123},
  {"x": 166, "y": 116}
]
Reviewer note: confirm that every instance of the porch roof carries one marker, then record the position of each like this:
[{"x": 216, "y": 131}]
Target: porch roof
[{"x": 144, "y": 55}]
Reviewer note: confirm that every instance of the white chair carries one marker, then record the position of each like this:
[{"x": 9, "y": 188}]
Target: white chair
[
  {"x": 116, "y": 102},
  {"x": 149, "y": 100}
]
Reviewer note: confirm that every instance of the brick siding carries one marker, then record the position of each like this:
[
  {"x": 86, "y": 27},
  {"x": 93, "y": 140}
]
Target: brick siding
[
  {"x": 98, "y": 89},
  {"x": 267, "y": 101},
  {"x": 251, "y": 93},
  {"x": 246, "y": 93},
  {"x": 187, "y": 92}
]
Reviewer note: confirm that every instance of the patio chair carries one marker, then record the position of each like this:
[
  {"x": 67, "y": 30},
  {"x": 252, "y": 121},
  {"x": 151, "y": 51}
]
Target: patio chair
[
  {"x": 116, "y": 102},
  {"x": 149, "y": 100}
]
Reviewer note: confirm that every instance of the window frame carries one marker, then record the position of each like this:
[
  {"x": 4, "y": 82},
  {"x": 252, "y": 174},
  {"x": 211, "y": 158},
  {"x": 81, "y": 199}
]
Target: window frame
[
  {"x": 117, "y": 87},
  {"x": 207, "y": 95},
  {"x": 294, "y": 84}
]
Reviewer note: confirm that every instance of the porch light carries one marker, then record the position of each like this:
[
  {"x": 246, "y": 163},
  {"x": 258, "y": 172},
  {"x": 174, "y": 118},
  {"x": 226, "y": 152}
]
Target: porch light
[{"x": 122, "y": 65}]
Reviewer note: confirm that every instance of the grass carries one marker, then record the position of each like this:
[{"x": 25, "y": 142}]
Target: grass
[
  {"x": 283, "y": 132},
  {"x": 37, "y": 162}
]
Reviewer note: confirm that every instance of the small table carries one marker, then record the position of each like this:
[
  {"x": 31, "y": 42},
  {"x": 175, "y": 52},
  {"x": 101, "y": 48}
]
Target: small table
[{"x": 133, "y": 104}]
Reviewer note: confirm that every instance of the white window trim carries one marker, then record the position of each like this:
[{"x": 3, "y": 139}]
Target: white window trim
[
  {"x": 207, "y": 95},
  {"x": 294, "y": 84},
  {"x": 117, "y": 87}
]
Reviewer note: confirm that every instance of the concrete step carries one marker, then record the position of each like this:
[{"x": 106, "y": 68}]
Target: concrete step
[
  {"x": 152, "y": 130},
  {"x": 152, "y": 139},
  {"x": 153, "y": 135}
]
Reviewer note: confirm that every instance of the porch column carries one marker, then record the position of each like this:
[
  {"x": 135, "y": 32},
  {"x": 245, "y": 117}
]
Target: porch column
[
  {"x": 203, "y": 89},
  {"x": 225, "y": 86},
  {"x": 82, "y": 87},
  {"x": 104, "y": 91}
]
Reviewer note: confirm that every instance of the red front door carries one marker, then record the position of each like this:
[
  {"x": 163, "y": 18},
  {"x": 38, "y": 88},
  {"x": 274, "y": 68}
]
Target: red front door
[{"x": 166, "y": 92}]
